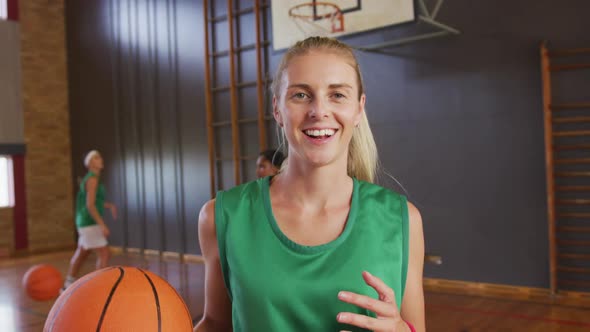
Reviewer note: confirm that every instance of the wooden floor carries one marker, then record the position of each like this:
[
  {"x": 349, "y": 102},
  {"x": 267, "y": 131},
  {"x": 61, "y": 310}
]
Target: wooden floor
[{"x": 444, "y": 312}]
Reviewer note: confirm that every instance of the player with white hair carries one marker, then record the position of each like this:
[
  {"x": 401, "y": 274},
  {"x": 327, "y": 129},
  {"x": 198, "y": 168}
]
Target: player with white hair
[{"x": 90, "y": 206}]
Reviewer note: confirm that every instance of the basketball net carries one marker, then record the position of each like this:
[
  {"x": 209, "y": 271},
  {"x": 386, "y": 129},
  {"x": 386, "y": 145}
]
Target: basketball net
[{"x": 327, "y": 18}]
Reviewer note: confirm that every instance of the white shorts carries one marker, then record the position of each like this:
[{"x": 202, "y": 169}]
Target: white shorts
[{"x": 91, "y": 237}]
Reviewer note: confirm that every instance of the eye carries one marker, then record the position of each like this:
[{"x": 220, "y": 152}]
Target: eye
[
  {"x": 338, "y": 95},
  {"x": 300, "y": 95}
]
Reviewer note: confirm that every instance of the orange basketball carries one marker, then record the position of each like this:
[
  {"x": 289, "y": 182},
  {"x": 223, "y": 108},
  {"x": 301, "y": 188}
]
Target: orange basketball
[
  {"x": 42, "y": 282},
  {"x": 119, "y": 298}
]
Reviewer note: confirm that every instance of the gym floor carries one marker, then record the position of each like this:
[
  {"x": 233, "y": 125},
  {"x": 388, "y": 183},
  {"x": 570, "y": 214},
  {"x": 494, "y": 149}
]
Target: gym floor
[{"x": 444, "y": 312}]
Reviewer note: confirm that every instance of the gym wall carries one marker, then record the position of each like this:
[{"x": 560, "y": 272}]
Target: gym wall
[
  {"x": 458, "y": 122},
  {"x": 37, "y": 115}
]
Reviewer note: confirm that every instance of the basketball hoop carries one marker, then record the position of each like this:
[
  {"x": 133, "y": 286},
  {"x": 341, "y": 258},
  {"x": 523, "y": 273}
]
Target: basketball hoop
[{"x": 317, "y": 18}]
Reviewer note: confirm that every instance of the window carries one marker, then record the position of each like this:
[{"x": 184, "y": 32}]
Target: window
[
  {"x": 3, "y": 9},
  {"x": 6, "y": 181}
]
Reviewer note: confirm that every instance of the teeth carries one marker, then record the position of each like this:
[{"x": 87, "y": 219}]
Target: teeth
[{"x": 319, "y": 133}]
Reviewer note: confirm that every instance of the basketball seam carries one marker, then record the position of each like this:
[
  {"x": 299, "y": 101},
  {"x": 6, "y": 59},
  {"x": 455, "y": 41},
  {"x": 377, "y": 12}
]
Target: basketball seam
[
  {"x": 157, "y": 299},
  {"x": 106, "y": 305},
  {"x": 66, "y": 300}
]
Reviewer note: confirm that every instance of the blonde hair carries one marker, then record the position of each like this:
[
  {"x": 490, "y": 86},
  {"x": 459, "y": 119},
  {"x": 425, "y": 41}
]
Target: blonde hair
[{"x": 363, "y": 159}]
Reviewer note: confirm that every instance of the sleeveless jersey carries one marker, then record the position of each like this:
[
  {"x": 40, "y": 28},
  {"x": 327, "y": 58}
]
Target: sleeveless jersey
[
  {"x": 276, "y": 284},
  {"x": 83, "y": 217}
]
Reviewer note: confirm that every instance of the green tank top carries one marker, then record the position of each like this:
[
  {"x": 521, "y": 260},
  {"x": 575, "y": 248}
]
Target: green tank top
[
  {"x": 83, "y": 217},
  {"x": 276, "y": 284}
]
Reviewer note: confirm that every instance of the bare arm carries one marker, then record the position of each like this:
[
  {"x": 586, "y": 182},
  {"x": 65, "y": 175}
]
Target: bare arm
[
  {"x": 412, "y": 309},
  {"x": 217, "y": 315},
  {"x": 112, "y": 207},
  {"x": 91, "y": 186}
]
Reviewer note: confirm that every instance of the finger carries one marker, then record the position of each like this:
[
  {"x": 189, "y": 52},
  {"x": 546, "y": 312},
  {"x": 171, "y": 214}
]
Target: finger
[
  {"x": 363, "y": 321},
  {"x": 386, "y": 294},
  {"x": 382, "y": 309}
]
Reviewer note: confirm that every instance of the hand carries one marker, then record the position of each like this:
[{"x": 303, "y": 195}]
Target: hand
[
  {"x": 105, "y": 231},
  {"x": 388, "y": 317},
  {"x": 113, "y": 209}
]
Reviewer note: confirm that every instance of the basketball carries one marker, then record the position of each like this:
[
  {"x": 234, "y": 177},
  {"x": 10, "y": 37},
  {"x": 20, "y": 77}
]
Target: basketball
[
  {"x": 42, "y": 282},
  {"x": 119, "y": 298}
]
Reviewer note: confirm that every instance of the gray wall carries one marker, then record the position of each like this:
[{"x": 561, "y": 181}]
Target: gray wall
[
  {"x": 136, "y": 94},
  {"x": 458, "y": 122},
  {"x": 11, "y": 117}
]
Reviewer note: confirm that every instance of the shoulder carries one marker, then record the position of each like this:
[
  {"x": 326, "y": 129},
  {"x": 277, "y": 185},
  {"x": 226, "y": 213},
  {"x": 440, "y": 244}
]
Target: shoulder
[
  {"x": 378, "y": 198},
  {"x": 246, "y": 188},
  {"x": 369, "y": 190},
  {"x": 230, "y": 201},
  {"x": 91, "y": 181},
  {"x": 414, "y": 213},
  {"x": 90, "y": 175},
  {"x": 207, "y": 231},
  {"x": 415, "y": 224},
  {"x": 243, "y": 193},
  {"x": 207, "y": 216},
  {"x": 208, "y": 209}
]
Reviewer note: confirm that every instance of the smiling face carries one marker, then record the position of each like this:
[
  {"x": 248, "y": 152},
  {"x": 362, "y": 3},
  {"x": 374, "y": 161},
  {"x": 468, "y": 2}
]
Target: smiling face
[{"x": 318, "y": 105}]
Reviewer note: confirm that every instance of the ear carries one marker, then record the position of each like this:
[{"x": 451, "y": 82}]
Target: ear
[
  {"x": 359, "y": 115},
  {"x": 276, "y": 112}
]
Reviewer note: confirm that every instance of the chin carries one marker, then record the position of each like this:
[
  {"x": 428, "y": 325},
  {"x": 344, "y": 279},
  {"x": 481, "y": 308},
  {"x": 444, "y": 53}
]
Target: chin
[{"x": 319, "y": 160}]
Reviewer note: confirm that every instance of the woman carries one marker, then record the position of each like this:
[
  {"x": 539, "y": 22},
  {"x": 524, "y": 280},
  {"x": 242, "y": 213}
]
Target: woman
[
  {"x": 317, "y": 247},
  {"x": 269, "y": 163},
  {"x": 92, "y": 230}
]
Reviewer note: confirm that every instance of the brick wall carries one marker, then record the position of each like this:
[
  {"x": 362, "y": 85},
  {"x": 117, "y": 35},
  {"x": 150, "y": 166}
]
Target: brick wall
[
  {"x": 46, "y": 124},
  {"x": 6, "y": 236}
]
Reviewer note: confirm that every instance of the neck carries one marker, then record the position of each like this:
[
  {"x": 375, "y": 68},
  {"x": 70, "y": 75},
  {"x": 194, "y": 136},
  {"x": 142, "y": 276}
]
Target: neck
[
  {"x": 94, "y": 170},
  {"x": 316, "y": 186}
]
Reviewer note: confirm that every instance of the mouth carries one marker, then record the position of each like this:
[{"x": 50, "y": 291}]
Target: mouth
[{"x": 320, "y": 134}]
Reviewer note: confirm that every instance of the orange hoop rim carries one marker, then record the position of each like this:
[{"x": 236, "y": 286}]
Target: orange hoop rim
[{"x": 336, "y": 12}]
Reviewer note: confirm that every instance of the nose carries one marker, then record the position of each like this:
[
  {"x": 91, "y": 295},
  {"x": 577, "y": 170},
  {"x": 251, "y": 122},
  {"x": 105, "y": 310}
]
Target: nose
[{"x": 318, "y": 109}]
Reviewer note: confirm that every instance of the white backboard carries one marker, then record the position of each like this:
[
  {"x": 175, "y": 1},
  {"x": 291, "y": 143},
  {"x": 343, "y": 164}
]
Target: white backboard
[{"x": 293, "y": 20}]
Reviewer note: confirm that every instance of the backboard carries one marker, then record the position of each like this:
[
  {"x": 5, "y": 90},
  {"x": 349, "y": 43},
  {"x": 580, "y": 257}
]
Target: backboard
[{"x": 293, "y": 20}]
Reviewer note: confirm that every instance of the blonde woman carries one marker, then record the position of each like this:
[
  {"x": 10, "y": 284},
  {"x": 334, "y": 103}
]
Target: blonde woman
[{"x": 317, "y": 247}]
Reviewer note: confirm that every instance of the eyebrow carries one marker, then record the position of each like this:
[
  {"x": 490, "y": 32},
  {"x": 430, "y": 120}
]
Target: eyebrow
[
  {"x": 300, "y": 85},
  {"x": 341, "y": 85},
  {"x": 331, "y": 86}
]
